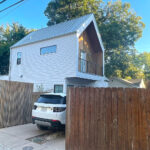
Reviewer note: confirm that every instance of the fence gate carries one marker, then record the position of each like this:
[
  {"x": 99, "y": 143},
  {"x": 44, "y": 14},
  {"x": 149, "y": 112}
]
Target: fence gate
[{"x": 108, "y": 119}]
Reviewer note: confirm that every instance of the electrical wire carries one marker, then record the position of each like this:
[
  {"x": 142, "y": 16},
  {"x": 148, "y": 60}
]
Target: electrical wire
[
  {"x": 12, "y": 10},
  {"x": 11, "y": 6},
  {"x": 2, "y": 1}
]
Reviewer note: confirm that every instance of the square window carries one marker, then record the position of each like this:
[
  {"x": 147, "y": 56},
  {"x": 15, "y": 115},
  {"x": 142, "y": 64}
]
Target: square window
[{"x": 58, "y": 88}]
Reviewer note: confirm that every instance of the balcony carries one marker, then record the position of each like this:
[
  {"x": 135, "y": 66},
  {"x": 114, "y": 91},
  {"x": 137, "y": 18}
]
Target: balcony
[{"x": 90, "y": 67}]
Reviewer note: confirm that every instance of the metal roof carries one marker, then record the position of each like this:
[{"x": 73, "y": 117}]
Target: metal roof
[{"x": 53, "y": 31}]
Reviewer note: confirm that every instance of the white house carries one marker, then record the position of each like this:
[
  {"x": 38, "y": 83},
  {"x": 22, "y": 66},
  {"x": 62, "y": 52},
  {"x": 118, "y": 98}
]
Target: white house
[{"x": 66, "y": 54}]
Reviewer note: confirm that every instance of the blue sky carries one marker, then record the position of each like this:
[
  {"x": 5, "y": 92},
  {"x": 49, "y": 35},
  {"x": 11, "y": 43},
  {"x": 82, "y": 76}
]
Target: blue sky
[{"x": 30, "y": 14}]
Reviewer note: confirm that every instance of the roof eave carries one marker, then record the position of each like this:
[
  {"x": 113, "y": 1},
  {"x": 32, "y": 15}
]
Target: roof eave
[
  {"x": 85, "y": 25},
  {"x": 12, "y": 47}
]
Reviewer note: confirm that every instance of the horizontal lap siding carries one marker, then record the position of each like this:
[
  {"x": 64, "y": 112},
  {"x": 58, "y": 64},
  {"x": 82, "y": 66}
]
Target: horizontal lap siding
[
  {"x": 49, "y": 69},
  {"x": 15, "y": 103},
  {"x": 108, "y": 119}
]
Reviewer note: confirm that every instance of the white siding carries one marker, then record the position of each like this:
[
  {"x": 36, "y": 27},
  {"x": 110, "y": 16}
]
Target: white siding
[
  {"x": 4, "y": 77},
  {"x": 49, "y": 69}
]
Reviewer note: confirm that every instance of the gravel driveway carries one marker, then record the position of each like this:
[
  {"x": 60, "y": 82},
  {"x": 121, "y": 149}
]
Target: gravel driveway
[{"x": 28, "y": 137}]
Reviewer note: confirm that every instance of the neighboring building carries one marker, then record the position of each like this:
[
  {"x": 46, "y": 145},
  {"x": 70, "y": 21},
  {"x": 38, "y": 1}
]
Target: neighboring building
[
  {"x": 66, "y": 54},
  {"x": 133, "y": 83}
]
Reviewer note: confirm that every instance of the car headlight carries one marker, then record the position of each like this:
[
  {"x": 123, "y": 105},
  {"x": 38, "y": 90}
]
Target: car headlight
[{"x": 59, "y": 109}]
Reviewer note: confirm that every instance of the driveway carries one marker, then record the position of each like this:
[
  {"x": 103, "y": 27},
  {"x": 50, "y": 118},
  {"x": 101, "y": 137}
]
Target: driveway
[{"x": 28, "y": 137}]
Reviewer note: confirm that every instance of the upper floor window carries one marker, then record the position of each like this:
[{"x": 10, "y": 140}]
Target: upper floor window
[
  {"x": 47, "y": 50},
  {"x": 19, "y": 55}
]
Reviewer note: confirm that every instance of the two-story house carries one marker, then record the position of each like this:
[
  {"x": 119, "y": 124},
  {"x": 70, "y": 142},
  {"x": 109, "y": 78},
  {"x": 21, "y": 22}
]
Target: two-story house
[{"x": 66, "y": 54}]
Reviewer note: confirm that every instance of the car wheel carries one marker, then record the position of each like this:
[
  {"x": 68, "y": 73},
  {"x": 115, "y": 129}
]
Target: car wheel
[{"x": 41, "y": 127}]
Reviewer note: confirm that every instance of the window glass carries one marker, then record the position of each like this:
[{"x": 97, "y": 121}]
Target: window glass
[
  {"x": 52, "y": 99},
  {"x": 49, "y": 49},
  {"x": 19, "y": 55},
  {"x": 58, "y": 88}
]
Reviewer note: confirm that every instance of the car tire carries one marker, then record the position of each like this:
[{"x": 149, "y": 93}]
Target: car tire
[{"x": 40, "y": 127}]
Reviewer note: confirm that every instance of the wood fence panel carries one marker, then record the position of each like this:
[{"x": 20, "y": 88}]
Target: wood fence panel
[
  {"x": 108, "y": 119},
  {"x": 15, "y": 103}
]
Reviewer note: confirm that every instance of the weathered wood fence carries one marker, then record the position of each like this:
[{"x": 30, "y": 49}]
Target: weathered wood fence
[
  {"x": 108, "y": 119},
  {"x": 15, "y": 103}
]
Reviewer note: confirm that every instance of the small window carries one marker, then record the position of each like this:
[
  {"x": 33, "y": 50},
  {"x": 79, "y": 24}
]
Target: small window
[
  {"x": 47, "y": 50},
  {"x": 19, "y": 54},
  {"x": 58, "y": 88}
]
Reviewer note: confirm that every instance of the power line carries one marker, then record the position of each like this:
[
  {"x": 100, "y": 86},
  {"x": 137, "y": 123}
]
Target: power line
[
  {"x": 11, "y": 6},
  {"x": 12, "y": 10},
  {"x": 2, "y": 1}
]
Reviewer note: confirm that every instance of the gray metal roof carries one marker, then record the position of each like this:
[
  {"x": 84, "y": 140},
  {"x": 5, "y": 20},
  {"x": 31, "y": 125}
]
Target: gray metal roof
[{"x": 53, "y": 31}]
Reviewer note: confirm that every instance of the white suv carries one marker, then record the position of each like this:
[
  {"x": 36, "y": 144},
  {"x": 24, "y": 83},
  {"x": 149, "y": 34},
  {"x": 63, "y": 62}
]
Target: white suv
[{"x": 50, "y": 110}]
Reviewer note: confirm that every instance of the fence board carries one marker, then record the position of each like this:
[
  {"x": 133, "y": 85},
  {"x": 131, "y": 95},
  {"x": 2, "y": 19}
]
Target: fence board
[
  {"x": 108, "y": 119},
  {"x": 15, "y": 103}
]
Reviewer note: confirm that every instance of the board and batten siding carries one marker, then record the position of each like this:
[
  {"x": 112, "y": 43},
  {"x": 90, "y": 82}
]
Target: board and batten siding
[{"x": 48, "y": 69}]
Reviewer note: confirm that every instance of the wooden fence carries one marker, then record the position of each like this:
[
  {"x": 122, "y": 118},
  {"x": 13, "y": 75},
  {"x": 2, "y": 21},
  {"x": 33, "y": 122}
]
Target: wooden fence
[
  {"x": 15, "y": 103},
  {"x": 108, "y": 119}
]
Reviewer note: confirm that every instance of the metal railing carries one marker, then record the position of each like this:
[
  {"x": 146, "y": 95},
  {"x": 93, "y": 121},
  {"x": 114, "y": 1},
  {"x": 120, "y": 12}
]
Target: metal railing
[{"x": 86, "y": 66}]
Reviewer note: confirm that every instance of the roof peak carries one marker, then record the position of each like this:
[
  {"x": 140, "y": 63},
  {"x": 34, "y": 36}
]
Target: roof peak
[
  {"x": 90, "y": 14},
  {"x": 60, "y": 29}
]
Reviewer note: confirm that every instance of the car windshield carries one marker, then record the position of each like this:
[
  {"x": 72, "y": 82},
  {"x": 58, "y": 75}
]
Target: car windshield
[{"x": 52, "y": 99}]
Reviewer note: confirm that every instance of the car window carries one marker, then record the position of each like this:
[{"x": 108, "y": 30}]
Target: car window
[{"x": 52, "y": 99}]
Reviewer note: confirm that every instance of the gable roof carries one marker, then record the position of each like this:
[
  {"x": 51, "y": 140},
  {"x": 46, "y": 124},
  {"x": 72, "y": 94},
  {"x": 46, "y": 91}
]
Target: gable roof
[
  {"x": 131, "y": 82},
  {"x": 122, "y": 81},
  {"x": 75, "y": 25},
  {"x": 136, "y": 81}
]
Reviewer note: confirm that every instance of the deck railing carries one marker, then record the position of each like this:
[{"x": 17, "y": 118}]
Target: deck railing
[{"x": 86, "y": 66}]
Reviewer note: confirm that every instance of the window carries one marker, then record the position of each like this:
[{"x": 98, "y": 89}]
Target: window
[
  {"x": 52, "y": 99},
  {"x": 58, "y": 88},
  {"x": 47, "y": 50},
  {"x": 19, "y": 54},
  {"x": 83, "y": 61}
]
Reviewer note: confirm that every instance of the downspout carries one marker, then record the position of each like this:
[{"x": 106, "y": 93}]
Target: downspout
[{"x": 10, "y": 60}]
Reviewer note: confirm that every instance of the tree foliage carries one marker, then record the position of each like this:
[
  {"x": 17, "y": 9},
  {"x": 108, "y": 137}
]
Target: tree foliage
[
  {"x": 118, "y": 24},
  {"x": 9, "y": 35}
]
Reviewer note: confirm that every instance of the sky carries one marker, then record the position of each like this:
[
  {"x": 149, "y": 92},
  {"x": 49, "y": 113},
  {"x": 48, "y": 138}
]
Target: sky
[{"x": 30, "y": 14}]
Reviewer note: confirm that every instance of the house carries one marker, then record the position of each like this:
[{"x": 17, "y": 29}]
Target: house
[
  {"x": 56, "y": 57},
  {"x": 4, "y": 77},
  {"x": 133, "y": 83}
]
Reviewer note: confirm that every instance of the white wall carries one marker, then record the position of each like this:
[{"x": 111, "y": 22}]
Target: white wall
[
  {"x": 48, "y": 69},
  {"x": 4, "y": 77}
]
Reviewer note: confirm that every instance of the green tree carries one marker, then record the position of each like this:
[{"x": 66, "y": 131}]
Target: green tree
[
  {"x": 61, "y": 10},
  {"x": 118, "y": 24},
  {"x": 142, "y": 61},
  {"x": 9, "y": 35}
]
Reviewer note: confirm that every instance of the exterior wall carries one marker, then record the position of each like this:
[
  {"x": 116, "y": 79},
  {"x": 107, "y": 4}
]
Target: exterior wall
[
  {"x": 4, "y": 77},
  {"x": 142, "y": 85},
  {"x": 45, "y": 70},
  {"x": 94, "y": 56},
  {"x": 80, "y": 82},
  {"x": 99, "y": 84}
]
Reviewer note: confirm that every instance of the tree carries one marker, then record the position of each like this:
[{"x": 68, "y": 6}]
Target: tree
[
  {"x": 119, "y": 26},
  {"x": 142, "y": 61},
  {"x": 61, "y": 10},
  {"x": 9, "y": 36}
]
